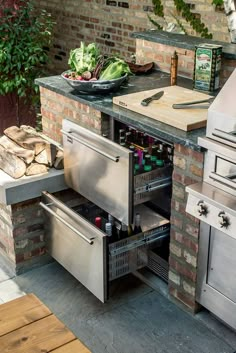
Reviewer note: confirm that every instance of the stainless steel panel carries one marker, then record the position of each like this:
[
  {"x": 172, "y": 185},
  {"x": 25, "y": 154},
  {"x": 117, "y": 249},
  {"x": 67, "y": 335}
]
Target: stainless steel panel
[
  {"x": 77, "y": 245},
  {"x": 99, "y": 169},
  {"x": 222, "y": 264},
  {"x": 221, "y": 121},
  {"x": 219, "y": 166},
  {"x": 212, "y": 206},
  {"x": 212, "y": 290}
]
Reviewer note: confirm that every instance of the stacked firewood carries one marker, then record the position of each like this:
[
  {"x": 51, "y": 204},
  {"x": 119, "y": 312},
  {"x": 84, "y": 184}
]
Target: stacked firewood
[{"x": 23, "y": 151}]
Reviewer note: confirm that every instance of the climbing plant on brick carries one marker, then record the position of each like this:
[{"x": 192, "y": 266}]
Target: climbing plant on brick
[{"x": 184, "y": 10}]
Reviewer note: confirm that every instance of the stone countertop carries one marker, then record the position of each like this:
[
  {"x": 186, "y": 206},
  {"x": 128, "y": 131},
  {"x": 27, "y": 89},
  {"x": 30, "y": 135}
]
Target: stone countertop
[
  {"x": 184, "y": 41},
  {"x": 103, "y": 103},
  {"x": 29, "y": 187}
]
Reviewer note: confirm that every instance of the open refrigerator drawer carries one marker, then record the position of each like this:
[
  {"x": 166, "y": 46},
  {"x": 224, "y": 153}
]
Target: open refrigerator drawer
[
  {"x": 103, "y": 172},
  {"x": 84, "y": 250}
]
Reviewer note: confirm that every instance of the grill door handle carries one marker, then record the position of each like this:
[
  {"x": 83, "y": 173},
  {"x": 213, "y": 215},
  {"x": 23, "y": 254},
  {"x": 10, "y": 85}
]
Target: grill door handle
[
  {"x": 222, "y": 180},
  {"x": 48, "y": 209},
  {"x": 224, "y": 135},
  {"x": 69, "y": 134}
]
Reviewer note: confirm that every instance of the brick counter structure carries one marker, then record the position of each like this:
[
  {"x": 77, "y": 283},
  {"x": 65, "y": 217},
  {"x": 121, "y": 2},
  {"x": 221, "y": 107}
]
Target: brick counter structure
[{"x": 188, "y": 166}]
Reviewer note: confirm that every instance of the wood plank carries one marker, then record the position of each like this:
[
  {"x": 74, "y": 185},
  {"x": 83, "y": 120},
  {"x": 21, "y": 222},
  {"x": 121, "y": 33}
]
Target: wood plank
[
  {"x": 73, "y": 347},
  {"x": 11, "y": 164},
  {"x": 41, "y": 336},
  {"x": 20, "y": 312},
  {"x": 161, "y": 110},
  {"x": 26, "y": 155}
]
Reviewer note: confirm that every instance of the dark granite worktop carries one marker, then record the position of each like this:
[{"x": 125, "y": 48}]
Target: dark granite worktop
[
  {"x": 104, "y": 104},
  {"x": 184, "y": 41}
]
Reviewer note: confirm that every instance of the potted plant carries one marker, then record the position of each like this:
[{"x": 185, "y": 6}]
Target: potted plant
[{"x": 24, "y": 33}]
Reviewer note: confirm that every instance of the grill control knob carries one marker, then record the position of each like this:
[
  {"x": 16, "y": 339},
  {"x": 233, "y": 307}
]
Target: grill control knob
[
  {"x": 202, "y": 209},
  {"x": 223, "y": 220}
]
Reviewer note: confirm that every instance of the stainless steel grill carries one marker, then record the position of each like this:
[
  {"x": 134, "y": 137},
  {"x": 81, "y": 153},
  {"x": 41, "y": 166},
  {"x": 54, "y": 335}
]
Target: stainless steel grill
[{"x": 214, "y": 202}]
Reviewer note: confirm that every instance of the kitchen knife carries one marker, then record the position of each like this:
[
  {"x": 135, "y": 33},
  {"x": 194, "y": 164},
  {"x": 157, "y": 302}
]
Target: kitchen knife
[
  {"x": 194, "y": 104},
  {"x": 156, "y": 96}
]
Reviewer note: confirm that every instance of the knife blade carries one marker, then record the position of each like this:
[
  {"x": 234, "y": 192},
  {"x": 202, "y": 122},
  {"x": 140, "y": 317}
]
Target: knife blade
[{"x": 155, "y": 96}]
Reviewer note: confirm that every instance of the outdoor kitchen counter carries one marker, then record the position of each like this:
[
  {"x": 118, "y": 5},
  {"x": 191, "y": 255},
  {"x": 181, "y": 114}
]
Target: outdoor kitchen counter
[{"x": 104, "y": 104}]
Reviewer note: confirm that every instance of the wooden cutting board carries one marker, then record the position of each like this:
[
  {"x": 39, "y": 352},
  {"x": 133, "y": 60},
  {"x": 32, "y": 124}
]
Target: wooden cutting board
[{"x": 185, "y": 119}]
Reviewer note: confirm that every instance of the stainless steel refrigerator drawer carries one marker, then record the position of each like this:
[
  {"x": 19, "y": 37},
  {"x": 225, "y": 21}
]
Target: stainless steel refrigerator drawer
[
  {"x": 83, "y": 249},
  {"x": 102, "y": 171},
  {"x": 212, "y": 206}
]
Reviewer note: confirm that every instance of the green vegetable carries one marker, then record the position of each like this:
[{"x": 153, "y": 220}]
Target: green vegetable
[
  {"x": 115, "y": 69},
  {"x": 84, "y": 58}
]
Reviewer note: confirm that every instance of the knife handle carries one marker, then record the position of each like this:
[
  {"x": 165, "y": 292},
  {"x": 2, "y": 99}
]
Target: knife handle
[{"x": 146, "y": 101}]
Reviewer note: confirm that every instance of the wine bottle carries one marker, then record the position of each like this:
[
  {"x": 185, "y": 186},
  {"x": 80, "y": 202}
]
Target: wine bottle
[
  {"x": 130, "y": 230},
  {"x": 98, "y": 222},
  {"x": 136, "y": 164},
  {"x": 108, "y": 230},
  {"x": 137, "y": 226},
  {"x": 114, "y": 235},
  {"x": 148, "y": 164},
  {"x": 123, "y": 231}
]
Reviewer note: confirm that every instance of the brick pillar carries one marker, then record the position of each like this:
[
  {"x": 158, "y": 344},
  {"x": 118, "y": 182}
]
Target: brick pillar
[
  {"x": 55, "y": 107},
  {"x": 188, "y": 169},
  {"x": 22, "y": 235}
]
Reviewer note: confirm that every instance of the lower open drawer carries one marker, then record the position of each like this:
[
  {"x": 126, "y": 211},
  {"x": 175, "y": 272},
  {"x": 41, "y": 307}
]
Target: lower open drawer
[{"x": 83, "y": 249}]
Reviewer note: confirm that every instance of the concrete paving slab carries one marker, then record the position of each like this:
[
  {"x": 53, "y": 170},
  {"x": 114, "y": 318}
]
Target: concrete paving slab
[
  {"x": 137, "y": 319},
  {"x": 10, "y": 290}
]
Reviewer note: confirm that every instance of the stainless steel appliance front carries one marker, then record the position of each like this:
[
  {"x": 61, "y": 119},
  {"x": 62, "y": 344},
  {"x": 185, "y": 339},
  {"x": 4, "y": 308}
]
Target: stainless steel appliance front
[
  {"x": 221, "y": 121},
  {"x": 99, "y": 169},
  {"x": 77, "y": 245},
  {"x": 216, "y": 280}
]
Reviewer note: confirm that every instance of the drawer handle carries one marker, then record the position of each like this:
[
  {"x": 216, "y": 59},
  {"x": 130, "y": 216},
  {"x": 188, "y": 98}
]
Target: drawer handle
[
  {"x": 68, "y": 134},
  {"x": 66, "y": 223}
]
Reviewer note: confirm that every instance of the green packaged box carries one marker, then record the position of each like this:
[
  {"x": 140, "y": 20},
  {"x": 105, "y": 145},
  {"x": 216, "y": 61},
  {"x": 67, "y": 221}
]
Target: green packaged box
[{"x": 207, "y": 66}]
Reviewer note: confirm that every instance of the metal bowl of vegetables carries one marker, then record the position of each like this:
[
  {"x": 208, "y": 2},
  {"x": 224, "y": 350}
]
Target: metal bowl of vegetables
[
  {"x": 92, "y": 86},
  {"x": 91, "y": 72}
]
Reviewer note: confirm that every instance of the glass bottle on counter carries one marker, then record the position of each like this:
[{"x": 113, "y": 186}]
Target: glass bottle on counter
[{"x": 137, "y": 224}]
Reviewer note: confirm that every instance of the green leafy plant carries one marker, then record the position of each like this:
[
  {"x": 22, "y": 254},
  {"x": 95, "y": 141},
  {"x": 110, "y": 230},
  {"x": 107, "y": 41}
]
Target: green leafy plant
[
  {"x": 24, "y": 35},
  {"x": 217, "y": 2}
]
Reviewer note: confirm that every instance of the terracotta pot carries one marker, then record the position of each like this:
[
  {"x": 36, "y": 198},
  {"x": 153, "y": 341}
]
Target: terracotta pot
[{"x": 11, "y": 115}]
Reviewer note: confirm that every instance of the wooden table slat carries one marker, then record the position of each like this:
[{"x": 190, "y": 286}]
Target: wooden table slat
[
  {"x": 20, "y": 312},
  {"x": 29, "y": 339},
  {"x": 72, "y": 347}
]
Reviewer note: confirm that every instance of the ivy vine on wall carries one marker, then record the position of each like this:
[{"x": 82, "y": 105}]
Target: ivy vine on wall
[{"x": 184, "y": 10}]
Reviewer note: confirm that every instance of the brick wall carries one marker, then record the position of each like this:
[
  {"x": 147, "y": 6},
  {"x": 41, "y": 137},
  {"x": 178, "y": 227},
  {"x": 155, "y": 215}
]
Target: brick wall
[
  {"x": 55, "y": 108},
  {"x": 161, "y": 54},
  {"x": 110, "y": 23},
  {"x": 22, "y": 232},
  {"x": 188, "y": 169}
]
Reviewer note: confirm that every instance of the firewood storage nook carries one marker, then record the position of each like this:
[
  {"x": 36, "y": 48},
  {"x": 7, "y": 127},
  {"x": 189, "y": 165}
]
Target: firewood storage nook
[{"x": 98, "y": 114}]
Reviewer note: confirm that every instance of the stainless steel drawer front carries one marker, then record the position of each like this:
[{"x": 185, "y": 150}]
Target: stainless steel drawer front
[
  {"x": 99, "y": 169},
  {"x": 77, "y": 245}
]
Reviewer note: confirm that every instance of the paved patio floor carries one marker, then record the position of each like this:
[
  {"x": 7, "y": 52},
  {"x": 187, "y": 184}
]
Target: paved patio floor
[{"x": 137, "y": 318}]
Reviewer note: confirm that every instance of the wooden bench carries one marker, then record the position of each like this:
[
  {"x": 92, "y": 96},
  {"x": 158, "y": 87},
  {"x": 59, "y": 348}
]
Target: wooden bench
[{"x": 28, "y": 326}]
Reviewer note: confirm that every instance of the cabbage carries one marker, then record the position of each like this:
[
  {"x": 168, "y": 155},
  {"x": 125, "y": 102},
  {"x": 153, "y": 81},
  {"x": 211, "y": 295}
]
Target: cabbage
[{"x": 84, "y": 58}]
